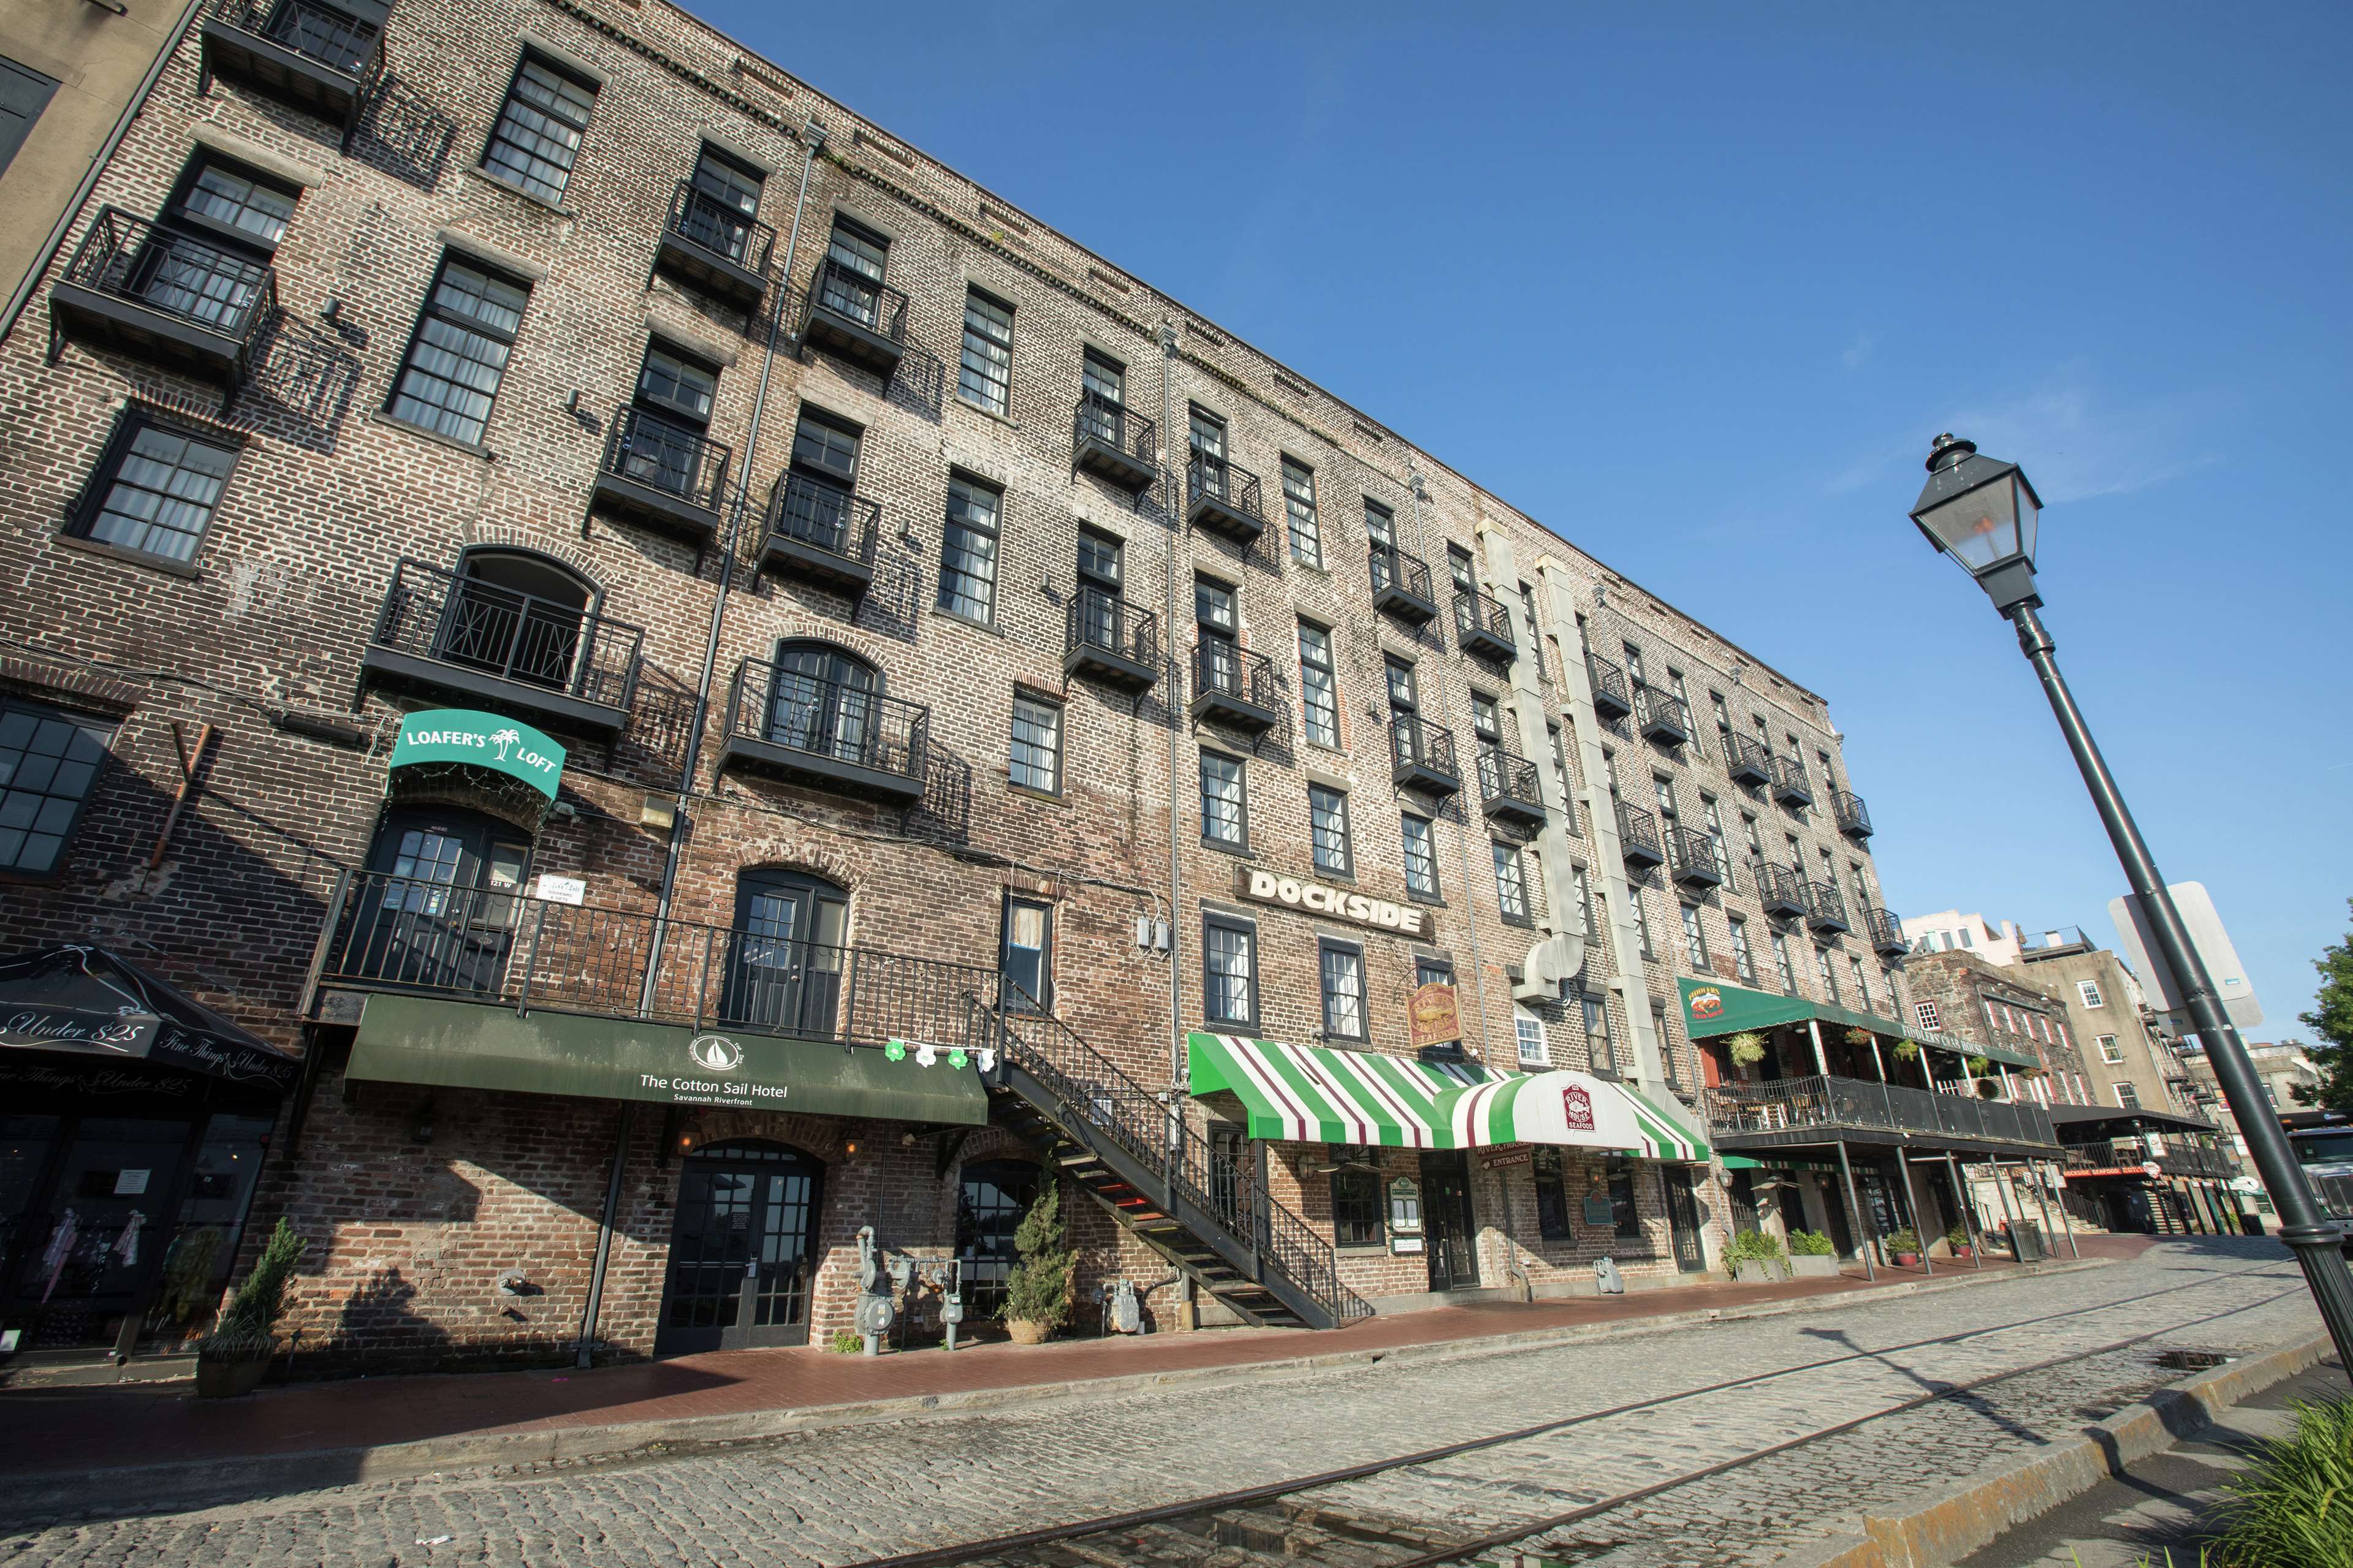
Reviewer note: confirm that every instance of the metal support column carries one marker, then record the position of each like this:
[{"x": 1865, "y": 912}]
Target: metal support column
[
  {"x": 1912, "y": 1201},
  {"x": 2067, "y": 1228},
  {"x": 1814, "y": 1032},
  {"x": 1967, "y": 1204},
  {"x": 1861, "y": 1216},
  {"x": 582, "y": 1351},
  {"x": 2002, "y": 1191}
]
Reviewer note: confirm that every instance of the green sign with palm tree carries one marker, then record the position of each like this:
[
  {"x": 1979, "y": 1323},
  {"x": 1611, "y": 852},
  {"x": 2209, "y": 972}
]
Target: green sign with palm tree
[{"x": 490, "y": 741}]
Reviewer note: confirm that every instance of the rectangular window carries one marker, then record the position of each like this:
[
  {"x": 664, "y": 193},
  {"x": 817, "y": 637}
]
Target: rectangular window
[
  {"x": 1327, "y": 828},
  {"x": 1028, "y": 962},
  {"x": 49, "y": 761},
  {"x": 1356, "y": 1208},
  {"x": 1204, "y": 440},
  {"x": 1828, "y": 978},
  {"x": 1343, "y": 966},
  {"x": 1421, "y": 858},
  {"x": 1299, "y": 510},
  {"x": 1036, "y": 743},
  {"x": 1694, "y": 941},
  {"x": 2111, "y": 1051},
  {"x": 2130, "y": 1098},
  {"x": 1222, "y": 817},
  {"x": 1862, "y": 986},
  {"x": 1629, "y": 1219},
  {"x": 1104, "y": 381},
  {"x": 1581, "y": 885},
  {"x": 24, "y": 93},
  {"x": 2091, "y": 994},
  {"x": 968, "y": 552},
  {"x": 1669, "y": 1058},
  {"x": 1102, "y": 561},
  {"x": 155, "y": 490},
  {"x": 459, "y": 355},
  {"x": 986, "y": 378},
  {"x": 1430, "y": 970},
  {"x": 1783, "y": 970},
  {"x": 1552, "y": 1196},
  {"x": 1560, "y": 774},
  {"x": 1511, "y": 886},
  {"x": 1600, "y": 1049},
  {"x": 1486, "y": 723},
  {"x": 1228, "y": 971},
  {"x": 1319, "y": 689},
  {"x": 1529, "y": 1030},
  {"x": 1380, "y": 525},
  {"x": 1744, "y": 962},
  {"x": 1458, "y": 567},
  {"x": 675, "y": 386},
  {"x": 1641, "y": 921},
  {"x": 228, "y": 197},
  {"x": 538, "y": 132},
  {"x": 1927, "y": 1013}
]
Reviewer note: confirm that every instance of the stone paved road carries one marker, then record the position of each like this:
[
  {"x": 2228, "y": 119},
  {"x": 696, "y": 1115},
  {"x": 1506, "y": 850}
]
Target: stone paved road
[{"x": 845, "y": 1494}]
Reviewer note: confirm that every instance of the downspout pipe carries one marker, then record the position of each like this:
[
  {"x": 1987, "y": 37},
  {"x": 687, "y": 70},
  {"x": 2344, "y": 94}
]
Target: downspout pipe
[{"x": 1176, "y": 742}]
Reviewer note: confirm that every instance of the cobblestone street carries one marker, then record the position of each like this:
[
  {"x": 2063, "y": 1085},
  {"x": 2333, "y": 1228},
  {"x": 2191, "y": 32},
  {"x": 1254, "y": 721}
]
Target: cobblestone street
[{"x": 849, "y": 1494}]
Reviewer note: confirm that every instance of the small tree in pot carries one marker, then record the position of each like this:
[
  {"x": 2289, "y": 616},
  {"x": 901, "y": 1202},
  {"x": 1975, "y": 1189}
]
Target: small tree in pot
[
  {"x": 232, "y": 1358},
  {"x": 1957, "y": 1240},
  {"x": 1905, "y": 1247},
  {"x": 1037, "y": 1289}
]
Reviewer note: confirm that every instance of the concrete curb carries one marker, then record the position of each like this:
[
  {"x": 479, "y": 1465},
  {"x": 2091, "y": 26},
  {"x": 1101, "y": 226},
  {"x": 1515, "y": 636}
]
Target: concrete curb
[
  {"x": 177, "y": 1483},
  {"x": 1942, "y": 1524}
]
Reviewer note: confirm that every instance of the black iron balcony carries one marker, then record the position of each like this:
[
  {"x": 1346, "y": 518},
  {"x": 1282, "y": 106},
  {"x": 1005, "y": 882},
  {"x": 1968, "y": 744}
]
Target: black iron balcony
[
  {"x": 1422, "y": 756},
  {"x": 1748, "y": 761},
  {"x": 1105, "y": 634},
  {"x": 480, "y": 643},
  {"x": 1223, "y": 499},
  {"x": 713, "y": 245},
  {"x": 1812, "y": 1111},
  {"x": 324, "y": 59},
  {"x": 1234, "y": 686},
  {"x": 163, "y": 296},
  {"x": 2172, "y": 1155},
  {"x": 1885, "y": 931},
  {"x": 1781, "y": 890},
  {"x": 1853, "y": 819},
  {"x": 1662, "y": 716},
  {"x": 854, "y": 316},
  {"x": 1402, "y": 585},
  {"x": 1638, "y": 837},
  {"x": 1791, "y": 785},
  {"x": 829, "y": 735},
  {"x": 1691, "y": 855},
  {"x": 1484, "y": 626},
  {"x": 818, "y": 530},
  {"x": 661, "y": 472},
  {"x": 1508, "y": 790},
  {"x": 1113, "y": 444},
  {"x": 1826, "y": 908},
  {"x": 1612, "y": 698}
]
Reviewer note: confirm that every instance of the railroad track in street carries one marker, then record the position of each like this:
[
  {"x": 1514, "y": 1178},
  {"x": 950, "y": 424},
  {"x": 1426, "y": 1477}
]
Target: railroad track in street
[{"x": 1326, "y": 1519}]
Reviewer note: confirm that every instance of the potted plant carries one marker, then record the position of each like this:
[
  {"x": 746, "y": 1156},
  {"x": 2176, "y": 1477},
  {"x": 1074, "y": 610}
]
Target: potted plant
[
  {"x": 232, "y": 1358},
  {"x": 1811, "y": 1256},
  {"x": 1747, "y": 1048},
  {"x": 1753, "y": 1257},
  {"x": 1957, "y": 1240},
  {"x": 1907, "y": 1050},
  {"x": 1858, "y": 1035},
  {"x": 1904, "y": 1245},
  {"x": 1038, "y": 1288}
]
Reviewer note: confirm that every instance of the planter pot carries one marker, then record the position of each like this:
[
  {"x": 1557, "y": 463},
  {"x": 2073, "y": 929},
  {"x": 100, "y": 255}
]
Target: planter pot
[
  {"x": 228, "y": 1378},
  {"x": 1024, "y": 1332},
  {"x": 1813, "y": 1266},
  {"x": 1753, "y": 1271},
  {"x": 1908, "y": 1259},
  {"x": 1964, "y": 1254}
]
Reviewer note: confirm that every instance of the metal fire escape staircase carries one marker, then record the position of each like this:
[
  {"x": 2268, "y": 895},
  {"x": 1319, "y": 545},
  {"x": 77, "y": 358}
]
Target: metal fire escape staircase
[{"x": 1205, "y": 1213}]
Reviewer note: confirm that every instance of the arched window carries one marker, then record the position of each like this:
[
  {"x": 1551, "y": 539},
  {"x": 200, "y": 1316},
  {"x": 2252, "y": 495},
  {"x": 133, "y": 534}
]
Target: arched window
[
  {"x": 823, "y": 699},
  {"x": 517, "y": 613},
  {"x": 786, "y": 956}
]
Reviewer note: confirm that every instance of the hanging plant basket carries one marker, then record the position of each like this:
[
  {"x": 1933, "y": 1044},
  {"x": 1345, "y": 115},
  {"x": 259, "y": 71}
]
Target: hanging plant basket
[
  {"x": 1747, "y": 1048},
  {"x": 1979, "y": 1065},
  {"x": 1907, "y": 1050},
  {"x": 1858, "y": 1036}
]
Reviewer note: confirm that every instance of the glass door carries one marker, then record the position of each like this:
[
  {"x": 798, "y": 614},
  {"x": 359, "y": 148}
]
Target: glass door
[
  {"x": 1683, "y": 1220},
  {"x": 1446, "y": 1214},
  {"x": 743, "y": 1249},
  {"x": 440, "y": 910},
  {"x": 786, "y": 969}
]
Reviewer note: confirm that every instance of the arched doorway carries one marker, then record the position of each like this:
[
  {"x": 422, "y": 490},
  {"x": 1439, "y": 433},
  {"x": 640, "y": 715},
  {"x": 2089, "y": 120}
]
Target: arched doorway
[
  {"x": 786, "y": 958},
  {"x": 518, "y": 614},
  {"x": 823, "y": 700},
  {"x": 991, "y": 1197},
  {"x": 743, "y": 1249},
  {"x": 437, "y": 911}
]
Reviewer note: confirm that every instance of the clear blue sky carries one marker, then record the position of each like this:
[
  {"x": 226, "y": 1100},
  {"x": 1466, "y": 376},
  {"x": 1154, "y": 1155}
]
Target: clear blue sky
[{"x": 1697, "y": 288}]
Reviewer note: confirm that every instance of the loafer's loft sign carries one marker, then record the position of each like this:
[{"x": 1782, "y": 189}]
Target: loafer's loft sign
[
  {"x": 1339, "y": 903},
  {"x": 485, "y": 740}
]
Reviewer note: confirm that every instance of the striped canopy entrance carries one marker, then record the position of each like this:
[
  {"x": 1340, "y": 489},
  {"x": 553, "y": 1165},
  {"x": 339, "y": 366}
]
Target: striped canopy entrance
[{"x": 1314, "y": 1095}]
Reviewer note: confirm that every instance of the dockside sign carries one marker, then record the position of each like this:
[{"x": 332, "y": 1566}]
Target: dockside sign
[{"x": 1317, "y": 898}]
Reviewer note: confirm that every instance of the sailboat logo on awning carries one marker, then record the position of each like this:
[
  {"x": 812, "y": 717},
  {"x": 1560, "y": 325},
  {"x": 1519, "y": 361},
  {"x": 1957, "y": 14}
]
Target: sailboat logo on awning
[{"x": 715, "y": 1053}]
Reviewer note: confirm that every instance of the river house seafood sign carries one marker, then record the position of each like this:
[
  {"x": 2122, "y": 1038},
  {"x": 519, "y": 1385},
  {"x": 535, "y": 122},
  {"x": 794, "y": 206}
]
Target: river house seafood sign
[{"x": 489, "y": 741}]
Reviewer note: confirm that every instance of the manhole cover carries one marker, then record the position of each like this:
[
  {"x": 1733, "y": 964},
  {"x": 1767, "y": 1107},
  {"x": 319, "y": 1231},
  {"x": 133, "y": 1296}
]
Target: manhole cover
[{"x": 2190, "y": 1360}]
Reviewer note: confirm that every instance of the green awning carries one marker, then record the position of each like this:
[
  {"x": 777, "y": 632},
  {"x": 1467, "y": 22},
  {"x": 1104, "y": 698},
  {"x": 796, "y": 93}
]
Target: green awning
[
  {"x": 465, "y": 1045},
  {"x": 1711, "y": 1008}
]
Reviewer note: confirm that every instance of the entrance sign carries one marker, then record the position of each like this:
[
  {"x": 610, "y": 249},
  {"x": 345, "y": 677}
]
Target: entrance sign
[
  {"x": 1433, "y": 1016},
  {"x": 1318, "y": 898},
  {"x": 490, "y": 741}
]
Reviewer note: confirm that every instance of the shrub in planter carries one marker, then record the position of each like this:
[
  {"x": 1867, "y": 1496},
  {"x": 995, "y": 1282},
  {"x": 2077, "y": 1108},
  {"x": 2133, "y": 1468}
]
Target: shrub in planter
[
  {"x": 1038, "y": 1288},
  {"x": 1753, "y": 1257},
  {"x": 1958, "y": 1239},
  {"x": 1747, "y": 1048},
  {"x": 1811, "y": 1256},
  {"x": 2295, "y": 1504},
  {"x": 1905, "y": 1247},
  {"x": 232, "y": 1358}
]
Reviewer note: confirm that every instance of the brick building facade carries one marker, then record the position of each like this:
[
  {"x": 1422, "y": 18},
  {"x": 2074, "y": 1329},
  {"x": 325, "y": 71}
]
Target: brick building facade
[
  {"x": 1024, "y": 610},
  {"x": 1982, "y": 1002}
]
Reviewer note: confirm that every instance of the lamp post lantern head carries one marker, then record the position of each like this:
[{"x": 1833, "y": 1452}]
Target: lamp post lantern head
[{"x": 1981, "y": 511}]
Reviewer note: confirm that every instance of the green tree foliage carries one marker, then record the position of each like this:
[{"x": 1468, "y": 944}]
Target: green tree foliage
[
  {"x": 2332, "y": 1020},
  {"x": 1037, "y": 1289}
]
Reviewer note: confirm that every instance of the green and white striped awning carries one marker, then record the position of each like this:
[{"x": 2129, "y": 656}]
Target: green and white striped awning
[{"x": 1314, "y": 1095}]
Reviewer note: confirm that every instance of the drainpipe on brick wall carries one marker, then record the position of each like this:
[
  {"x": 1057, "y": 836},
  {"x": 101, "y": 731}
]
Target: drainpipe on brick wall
[
  {"x": 812, "y": 142},
  {"x": 1175, "y": 748}
]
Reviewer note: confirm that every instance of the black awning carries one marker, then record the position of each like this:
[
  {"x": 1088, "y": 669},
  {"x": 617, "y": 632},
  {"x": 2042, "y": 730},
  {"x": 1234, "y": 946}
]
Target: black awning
[
  {"x": 89, "y": 1000},
  {"x": 2093, "y": 1117}
]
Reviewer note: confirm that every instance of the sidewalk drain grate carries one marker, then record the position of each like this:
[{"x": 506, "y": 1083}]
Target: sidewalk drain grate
[{"x": 2190, "y": 1360}]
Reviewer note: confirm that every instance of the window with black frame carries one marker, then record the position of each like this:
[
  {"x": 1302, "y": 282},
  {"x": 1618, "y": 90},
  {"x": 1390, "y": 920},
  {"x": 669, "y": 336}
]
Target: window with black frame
[
  {"x": 1319, "y": 688},
  {"x": 1028, "y": 962},
  {"x": 1356, "y": 1208},
  {"x": 992, "y": 1198},
  {"x": 724, "y": 204},
  {"x": 155, "y": 489},
  {"x": 50, "y": 762},
  {"x": 1420, "y": 856},
  {"x": 458, "y": 354},
  {"x": 985, "y": 372},
  {"x": 1102, "y": 573},
  {"x": 1036, "y": 743},
  {"x": 1342, "y": 967},
  {"x": 1553, "y": 1219},
  {"x": 818, "y": 507},
  {"x": 1224, "y": 811},
  {"x": 209, "y": 265},
  {"x": 669, "y": 420},
  {"x": 855, "y": 258},
  {"x": 1299, "y": 510},
  {"x": 968, "y": 550},
  {"x": 1228, "y": 971},
  {"x": 1327, "y": 827},
  {"x": 1103, "y": 386},
  {"x": 539, "y": 128},
  {"x": 1626, "y": 1216},
  {"x": 1205, "y": 435}
]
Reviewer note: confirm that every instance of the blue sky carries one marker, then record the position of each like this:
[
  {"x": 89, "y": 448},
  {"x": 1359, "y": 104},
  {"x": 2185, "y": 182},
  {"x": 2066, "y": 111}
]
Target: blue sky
[{"x": 1695, "y": 286}]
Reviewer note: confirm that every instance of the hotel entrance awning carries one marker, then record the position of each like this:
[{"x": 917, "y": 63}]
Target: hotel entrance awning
[{"x": 1316, "y": 1095}]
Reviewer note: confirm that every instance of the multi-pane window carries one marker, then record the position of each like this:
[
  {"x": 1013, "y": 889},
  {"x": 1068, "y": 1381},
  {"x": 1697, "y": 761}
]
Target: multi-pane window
[
  {"x": 1560, "y": 774},
  {"x": 985, "y": 377},
  {"x": 455, "y": 362},
  {"x": 1633, "y": 663},
  {"x": 1529, "y": 1030},
  {"x": 1101, "y": 561},
  {"x": 1327, "y": 827},
  {"x": 538, "y": 132},
  {"x": 49, "y": 760},
  {"x": 1669, "y": 1058},
  {"x": 1222, "y": 819},
  {"x": 1342, "y": 965},
  {"x": 1299, "y": 511},
  {"x": 1929, "y": 1018},
  {"x": 853, "y": 283},
  {"x": 1713, "y": 816},
  {"x": 727, "y": 200},
  {"x": 2127, "y": 1097},
  {"x": 2111, "y": 1051},
  {"x": 1824, "y": 973},
  {"x": 1642, "y": 922},
  {"x": 1486, "y": 722},
  {"x": 1695, "y": 940},
  {"x": 1861, "y": 983},
  {"x": 1028, "y": 960},
  {"x": 1581, "y": 885},
  {"x": 1784, "y": 972},
  {"x": 156, "y": 490},
  {"x": 1511, "y": 884},
  {"x": 254, "y": 210},
  {"x": 1421, "y": 858},
  {"x": 1037, "y": 742},
  {"x": 2090, "y": 991},
  {"x": 1744, "y": 962},
  {"x": 1319, "y": 689},
  {"x": 1228, "y": 971},
  {"x": 1601, "y": 1049},
  {"x": 1103, "y": 379},
  {"x": 1458, "y": 567},
  {"x": 1357, "y": 1207},
  {"x": 1380, "y": 525},
  {"x": 1205, "y": 438},
  {"x": 968, "y": 550}
]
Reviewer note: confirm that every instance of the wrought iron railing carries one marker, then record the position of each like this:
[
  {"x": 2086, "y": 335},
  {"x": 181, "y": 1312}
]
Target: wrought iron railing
[
  {"x": 1884, "y": 931},
  {"x": 663, "y": 455},
  {"x": 719, "y": 228},
  {"x": 1747, "y": 759},
  {"x": 1825, "y": 904},
  {"x": 1847, "y": 807},
  {"x": 1505, "y": 777},
  {"x": 821, "y": 515},
  {"x": 175, "y": 274},
  {"x": 1691, "y": 855},
  {"x": 1611, "y": 695},
  {"x": 1638, "y": 832},
  {"x": 1475, "y": 611},
  {"x": 2176, "y": 1157},
  {"x": 1662, "y": 710},
  {"x": 833, "y": 719},
  {"x": 1109, "y": 624},
  {"x": 467, "y": 622},
  {"x": 1232, "y": 670},
  {"x": 846, "y": 292},
  {"x": 1414, "y": 742},
  {"x": 1394, "y": 568},
  {"x": 1215, "y": 478},
  {"x": 1781, "y": 1105},
  {"x": 1116, "y": 425},
  {"x": 1789, "y": 778},
  {"x": 322, "y": 34},
  {"x": 1781, "y": 888}
]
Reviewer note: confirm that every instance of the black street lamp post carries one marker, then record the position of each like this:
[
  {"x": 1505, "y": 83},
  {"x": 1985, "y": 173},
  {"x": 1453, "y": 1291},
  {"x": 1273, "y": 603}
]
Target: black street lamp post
[{"x": 1983, "y": 512}]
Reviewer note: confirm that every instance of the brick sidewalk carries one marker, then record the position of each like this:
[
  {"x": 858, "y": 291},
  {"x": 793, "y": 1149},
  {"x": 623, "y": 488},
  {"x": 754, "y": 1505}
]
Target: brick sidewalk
[{"x": 53, "y": 1430}]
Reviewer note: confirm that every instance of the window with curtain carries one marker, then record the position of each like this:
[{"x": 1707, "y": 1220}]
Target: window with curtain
[
  {"x": 1327, "y": 828},
  {"x": 1511, "y": 885},
  {"x": 1029, "y": 954},
  {"x": 1222, "y": 818},
  {"x": 1036, "y": 743},
  {"x": 459, "y": 355},
  {"x": 1228, "y": 971},
  {"x": 1343, "y": 966},
  {"x": 1319, "y": 689},
  {"x": 1299, "y": 510},
  {"x": 968, "y": 552},
  {"x": 984, "y": 378},
  {"x": 539, "y": 129},
  {"x": 1421, "y": 858}
]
